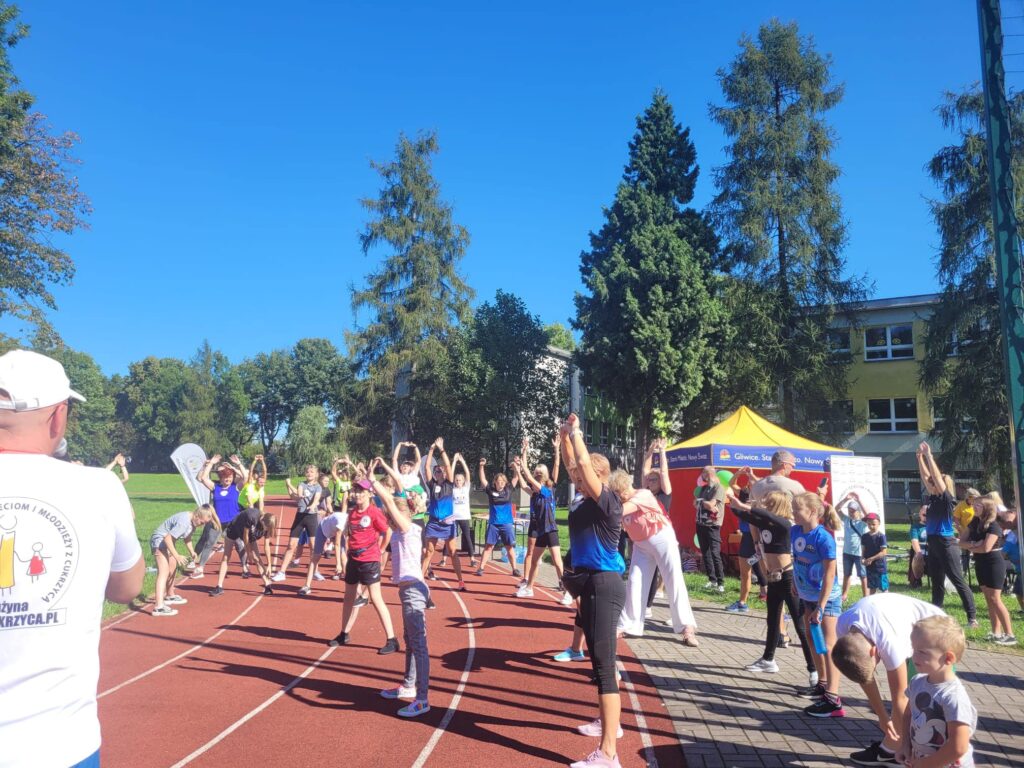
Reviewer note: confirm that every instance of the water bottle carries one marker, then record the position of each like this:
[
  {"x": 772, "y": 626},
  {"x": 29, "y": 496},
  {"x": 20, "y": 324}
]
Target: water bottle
[{"x": 818, "y": 638}]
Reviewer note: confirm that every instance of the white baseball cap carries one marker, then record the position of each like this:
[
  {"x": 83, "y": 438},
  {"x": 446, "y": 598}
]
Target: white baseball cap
[{"x": 33, "y": 381}]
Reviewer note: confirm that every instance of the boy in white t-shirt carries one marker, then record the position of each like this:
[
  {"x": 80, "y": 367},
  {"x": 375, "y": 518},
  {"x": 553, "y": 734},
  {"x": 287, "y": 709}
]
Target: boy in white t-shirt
[{"x": 877, "y": 629}]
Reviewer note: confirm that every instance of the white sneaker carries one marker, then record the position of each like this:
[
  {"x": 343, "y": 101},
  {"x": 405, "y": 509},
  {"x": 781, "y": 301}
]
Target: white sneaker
[
  {"x": 721, "y": 589},
  {"x": 278, "y": 577},
  {"x": 597, "y": 759},
  {"x": 401, "y": 692},
  {"x": 711, "y": 585},
  {"x": 524, "y": 591},
  {"x": 163, "y": 610},
  {"x": 763, "y": 665},
  {"x": 317, "y": 576},
  {"x": 648, "y": 614},
  {"x": 522, "y": 583},
  {"x": 812, "y": 679},
  {"x": 566, "y": 599},
  {"x": 296, "y": 563},
  {"x": 593, "y": 729},
  {"x": 175, "y": 600}
]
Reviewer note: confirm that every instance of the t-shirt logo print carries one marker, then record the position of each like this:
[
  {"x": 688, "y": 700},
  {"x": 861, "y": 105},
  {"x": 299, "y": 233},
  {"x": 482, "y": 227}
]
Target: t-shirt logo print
[
  {"x": 39, "y": 552},
  {"x": 365, "y": 521},
  {"x": 800, "y": 544},
  {"x": 766, "y": 536}
]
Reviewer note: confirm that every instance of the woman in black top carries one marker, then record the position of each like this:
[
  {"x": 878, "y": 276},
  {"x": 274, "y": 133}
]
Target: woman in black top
[
  {"x": 984, "y": 538},
  {"x": 774, "y": 522}
]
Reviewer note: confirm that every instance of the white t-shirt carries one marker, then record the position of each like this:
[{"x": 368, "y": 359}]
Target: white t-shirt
[
  {"x": 886, "y": 620},
  {"x": 63, "y": 529},
  {"x": 410, "y": 480},
  {"x": 406, "y": 550},
  {"x": 334, "y": 522},
  {"x": 766, "y": 485},
  {"x": 460, "y": 503}
]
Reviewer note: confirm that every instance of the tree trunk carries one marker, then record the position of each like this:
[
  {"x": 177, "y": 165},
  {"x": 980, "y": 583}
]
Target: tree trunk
[{"x": 643, "y": 429}]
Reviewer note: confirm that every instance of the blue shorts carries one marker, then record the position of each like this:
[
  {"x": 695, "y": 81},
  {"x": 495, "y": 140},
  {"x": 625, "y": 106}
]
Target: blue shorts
[
  {"x": 501, "y": 534},
  {"x": 439, "y": 531},
  {"x": 851, "y": 560},
  {"x": 833, "y": 607},
  {"x": 878, "y": 580}
]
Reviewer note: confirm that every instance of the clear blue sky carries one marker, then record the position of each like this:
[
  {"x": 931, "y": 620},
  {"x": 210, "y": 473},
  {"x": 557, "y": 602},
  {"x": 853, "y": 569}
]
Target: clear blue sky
[{"x": 225, "y": 145}]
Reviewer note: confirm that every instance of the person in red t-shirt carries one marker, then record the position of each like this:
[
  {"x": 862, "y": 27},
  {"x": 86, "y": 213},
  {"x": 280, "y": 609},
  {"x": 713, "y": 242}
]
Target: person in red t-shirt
[{"x": 368, "y": 533}]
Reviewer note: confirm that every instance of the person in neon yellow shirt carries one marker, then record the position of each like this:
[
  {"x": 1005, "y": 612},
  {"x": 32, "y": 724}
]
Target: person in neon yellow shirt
[{"x": 963, "y": 513}]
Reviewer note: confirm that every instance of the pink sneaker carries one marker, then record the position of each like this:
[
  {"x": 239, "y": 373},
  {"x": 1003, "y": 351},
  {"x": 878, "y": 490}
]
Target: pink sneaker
[
  {"x": 594, "y": 729},
  {"x": 597, "y": 759}
]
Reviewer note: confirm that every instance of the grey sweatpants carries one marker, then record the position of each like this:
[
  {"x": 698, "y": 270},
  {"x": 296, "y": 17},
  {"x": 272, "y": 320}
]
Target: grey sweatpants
[{"x": 414, "y": 596}]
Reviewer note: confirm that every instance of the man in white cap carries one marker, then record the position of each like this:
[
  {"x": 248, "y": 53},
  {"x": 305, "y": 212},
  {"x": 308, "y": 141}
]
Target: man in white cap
[{"x": 67, "y": 540}]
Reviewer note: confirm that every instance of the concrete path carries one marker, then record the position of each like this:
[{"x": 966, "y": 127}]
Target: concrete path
[{"x": 725, "y": 716}]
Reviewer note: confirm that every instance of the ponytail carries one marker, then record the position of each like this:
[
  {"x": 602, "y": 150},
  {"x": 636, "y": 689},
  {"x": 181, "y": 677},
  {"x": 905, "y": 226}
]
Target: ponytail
[{"x": 207, "y": 514}]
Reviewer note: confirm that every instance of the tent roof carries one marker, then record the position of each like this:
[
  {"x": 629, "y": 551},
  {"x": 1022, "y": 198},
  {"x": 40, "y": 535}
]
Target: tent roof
[{"x": 745, "y": 427}]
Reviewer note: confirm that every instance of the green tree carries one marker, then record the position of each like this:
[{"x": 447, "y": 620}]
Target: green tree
[
  {"x": 310, "y": 440},
  {"x": 963, "y": 367},
  {"x": 39, "y": 195},
  {"x": 560, "y": 336},
  {"x": 154, "y": 400},
  {"x": 649, "y": 307},
  {"x": 778, "y": 208},
  {"x": 417, "y": 295},
  {"x": 90, "y": 424},
  {"x": 268, "y": 380}
]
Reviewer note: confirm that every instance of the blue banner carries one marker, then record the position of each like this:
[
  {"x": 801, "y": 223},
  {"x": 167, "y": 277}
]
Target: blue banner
[{"x": 755, "y": 457}]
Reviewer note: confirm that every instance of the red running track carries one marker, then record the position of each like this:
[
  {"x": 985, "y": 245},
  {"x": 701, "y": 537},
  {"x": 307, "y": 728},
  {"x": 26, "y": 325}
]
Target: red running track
[{"x": 245, "y": 676}]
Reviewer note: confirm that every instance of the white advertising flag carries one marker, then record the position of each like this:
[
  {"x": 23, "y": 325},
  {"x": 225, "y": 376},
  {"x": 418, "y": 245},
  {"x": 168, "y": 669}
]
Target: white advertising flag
[
  {"x": 189, "y": 459},
  {"x": 861, "y": 475}
]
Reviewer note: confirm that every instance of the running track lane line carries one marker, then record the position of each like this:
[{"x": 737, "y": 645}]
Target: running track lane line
[
  {"x": 239, "y": 723},
  {"x": 634, "y": 701},
  {"x": 183, "y": 654},
  {"x": 439, "y": 731}
]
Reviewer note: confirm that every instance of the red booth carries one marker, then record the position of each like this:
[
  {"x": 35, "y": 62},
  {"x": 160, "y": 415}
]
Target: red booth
[{"x": 744, "y": 439}]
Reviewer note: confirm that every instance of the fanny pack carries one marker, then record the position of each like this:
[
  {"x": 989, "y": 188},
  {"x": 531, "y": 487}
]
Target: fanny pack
[
  {"x": 575, "y": 581},
  {"x": 776, "y": 576},
  {"x": 358, "y": 552}
]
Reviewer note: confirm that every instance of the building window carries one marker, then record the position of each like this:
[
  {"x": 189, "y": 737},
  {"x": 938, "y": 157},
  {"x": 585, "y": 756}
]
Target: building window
[
  {"x": 631, "y": 438},
  {"x": 620, "y": 435},
  {"x": 588, "y": 430},
  {"x": 939, "y": 416},
  {"x": 903, "y": 487},
  {"x": 834, "y": 418},
  {"x": 965, "y": 480},
  {"x": 897, "y": 414},
  {"x": 889, "y": 342},
  {"x": 838, "y": 340},
  {"x": 605, "y": 431}
]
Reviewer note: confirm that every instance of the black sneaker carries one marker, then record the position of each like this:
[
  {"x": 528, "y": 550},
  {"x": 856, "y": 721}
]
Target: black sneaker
[
  {"x": 516, "y": 573},
  {"x": 360, "y": 602},
  {"x": 430, "y": 604},
  {"x": 267, "y": 590},
  {"x": 246, "y": 574},
  {"x": 341, "y": 639},
  {"x": 811, "y": 692},
  {"x": 389, "y": 647},
  {"x": 430, "y": 574},
  {"x": 827, "y": 707},
  {"x": 216, "y": 591},
  {"x": 876, "y": 754}
]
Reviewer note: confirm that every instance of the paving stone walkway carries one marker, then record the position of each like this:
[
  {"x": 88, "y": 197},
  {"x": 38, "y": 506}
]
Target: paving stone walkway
[{"x": 726, "y": 717}]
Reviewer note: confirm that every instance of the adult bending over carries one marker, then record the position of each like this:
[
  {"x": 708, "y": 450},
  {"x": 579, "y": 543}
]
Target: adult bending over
[
  {"x": 595, "y": 524},
  {"x": 943, "y": 545}
]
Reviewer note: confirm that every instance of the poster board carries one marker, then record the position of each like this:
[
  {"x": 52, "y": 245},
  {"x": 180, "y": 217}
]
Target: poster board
[{"x": 861, "y": 475}]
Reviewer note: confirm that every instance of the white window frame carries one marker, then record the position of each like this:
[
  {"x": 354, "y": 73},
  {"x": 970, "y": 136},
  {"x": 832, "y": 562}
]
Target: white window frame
[
  {"x": 889, "y": 347},
  {"x": 892, "y": 421},
  {"x": 905, "y": 478}
]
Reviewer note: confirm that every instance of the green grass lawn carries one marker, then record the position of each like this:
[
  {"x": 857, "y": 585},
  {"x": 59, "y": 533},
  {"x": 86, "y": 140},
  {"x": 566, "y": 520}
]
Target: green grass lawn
[{"x": 156, "y": 497}]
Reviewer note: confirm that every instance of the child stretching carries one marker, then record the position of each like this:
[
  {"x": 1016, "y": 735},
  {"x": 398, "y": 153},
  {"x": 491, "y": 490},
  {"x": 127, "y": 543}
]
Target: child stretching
[
  {"x": 242, "y": 535},
  {"x": 874, "y": 550},
  {"x": 407, "y": 572},
  {"x": 330, "y": 529},
  {"x": 814, "y": 571},
  {"x": 179, "y": 526},
  {"x": 940, "y": 721}
]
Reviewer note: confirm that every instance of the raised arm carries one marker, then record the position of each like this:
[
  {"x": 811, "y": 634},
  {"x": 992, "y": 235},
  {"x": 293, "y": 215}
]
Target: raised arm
[
  {"x": 458, "y": 459},
  {"x": 525, "y": 476},
  {"x": 576, "y": 448},
  {"x": 556, "y": 464},
  {"x": 392, "y": 470},
  {"x": 446, "y": 463},
  {"x": 425, "y": 463},
  {"x": 399, "y": 521},
  {"x": 649, "y": 458},
  {"x": 203, "y": 475},
  {"x": 395, "y": 454},
  {"x": 666, "y": 483},
  {"x": 482, "y": 474},
  {"x": 241, "y": 473},
  {"x": 933, "y": 468}
]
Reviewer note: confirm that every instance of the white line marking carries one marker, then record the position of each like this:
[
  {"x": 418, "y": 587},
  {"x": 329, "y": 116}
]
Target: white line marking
[
  {"x": 641, "y": 721},
  {"x": 239, "y": 723},
  {"x": 183, "y": 654},
  {"x": 439, "y": 731}
]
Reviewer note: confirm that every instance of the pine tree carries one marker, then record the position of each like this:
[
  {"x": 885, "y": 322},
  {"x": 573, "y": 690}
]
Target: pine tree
[
  {"x": 779, "y": 210},
  {"x": 417, "y": 295},
  {"x": 963, "y": 366},
  {"x": 648, "y": 307}
]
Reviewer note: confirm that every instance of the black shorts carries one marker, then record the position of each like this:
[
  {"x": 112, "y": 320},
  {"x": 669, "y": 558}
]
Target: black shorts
[
  {"x": 307, "y": 522},
  {"x": 991, "y": 569},
  {"x": 545, "y": 539},
  {"x": 364, "y": 572},
  {"x": 746, "y": 545}
]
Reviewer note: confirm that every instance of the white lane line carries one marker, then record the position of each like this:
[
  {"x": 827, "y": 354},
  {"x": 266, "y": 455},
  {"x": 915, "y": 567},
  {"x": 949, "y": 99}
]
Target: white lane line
[
  {"x": 183, "y": 654},
  {"x": 641, "y": 721},
  {"x": 439, "y": 731},
  {"x": 239, "y": 723}
]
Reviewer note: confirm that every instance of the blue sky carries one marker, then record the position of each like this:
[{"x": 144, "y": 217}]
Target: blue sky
[{"x": 226, "y": 145}]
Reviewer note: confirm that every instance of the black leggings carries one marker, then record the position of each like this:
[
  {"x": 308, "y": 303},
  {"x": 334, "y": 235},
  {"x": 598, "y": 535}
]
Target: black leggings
[
  {"x": 601, "y": 603},
  {"x": 780, "y": 592},
  {"x": 710, "y": 539},
  {"x": 943, "y": 562},
  {"x": 468, "y": 545}
]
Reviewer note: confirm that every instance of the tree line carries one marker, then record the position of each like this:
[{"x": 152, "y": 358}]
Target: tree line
[{"x": 683, "y": 313}]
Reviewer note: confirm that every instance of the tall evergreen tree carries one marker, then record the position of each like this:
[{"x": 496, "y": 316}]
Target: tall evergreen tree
[
  {"x": 963, "y": 367},
  {"x": 39, "y": 196},
  {"x": 417, "y": 295},
  {"x": 648, "y": 307},
  {"x": 779, "y": 210}
]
